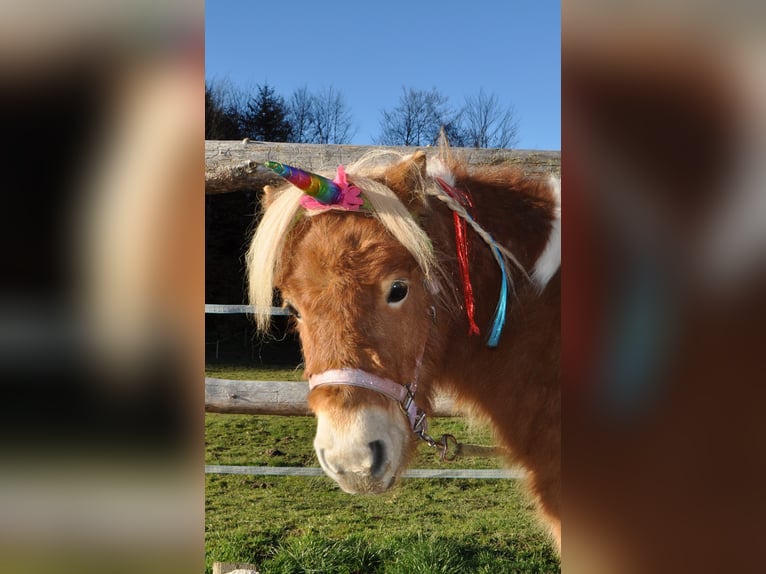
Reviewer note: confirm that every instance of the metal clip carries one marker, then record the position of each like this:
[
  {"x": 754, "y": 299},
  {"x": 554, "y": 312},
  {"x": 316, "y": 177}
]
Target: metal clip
[
  {"x": 449, "y": 447},
  {"x": 407, "y": 401},
  {"x": 420, "y": 426},
  {"x": 447, "y": 444}
]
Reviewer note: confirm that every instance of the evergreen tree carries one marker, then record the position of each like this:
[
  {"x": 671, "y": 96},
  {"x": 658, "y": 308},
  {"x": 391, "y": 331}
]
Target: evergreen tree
[{"x": 266, "y": 117}]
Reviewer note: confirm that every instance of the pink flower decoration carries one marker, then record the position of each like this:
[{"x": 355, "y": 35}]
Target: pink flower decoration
[{"x": 350, "y": 196}]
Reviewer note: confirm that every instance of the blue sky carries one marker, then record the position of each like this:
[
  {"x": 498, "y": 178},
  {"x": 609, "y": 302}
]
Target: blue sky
[{"x": 370, "y": 50}]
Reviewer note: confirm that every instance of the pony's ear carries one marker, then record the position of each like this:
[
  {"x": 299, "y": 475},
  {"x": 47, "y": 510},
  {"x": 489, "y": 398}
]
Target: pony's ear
[
  {"x": 445, "y": 155},
  {"x": 268, "y": 196},
  {"x": 406, "y": 179}
]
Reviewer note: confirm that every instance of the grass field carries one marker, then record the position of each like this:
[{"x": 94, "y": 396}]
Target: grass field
[{"x": 307, "y": 524}]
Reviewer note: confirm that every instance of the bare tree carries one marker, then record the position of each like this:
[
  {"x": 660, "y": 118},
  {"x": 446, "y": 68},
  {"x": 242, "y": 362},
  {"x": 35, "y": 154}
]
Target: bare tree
[
  {"x": 485, "y": 123},
  {"x": 300, "y": 114},
  {"x": 225, "y": 109},
  {"x": 417, "y": 119},
  {"x": 331, "y": 121}
]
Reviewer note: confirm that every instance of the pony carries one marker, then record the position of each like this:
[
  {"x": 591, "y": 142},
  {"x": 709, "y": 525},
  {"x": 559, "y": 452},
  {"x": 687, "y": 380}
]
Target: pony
[{"x": 391, "y": 271}]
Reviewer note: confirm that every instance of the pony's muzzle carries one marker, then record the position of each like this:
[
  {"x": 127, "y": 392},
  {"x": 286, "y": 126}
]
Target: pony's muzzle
[
  {"x": 372, "y": 463},
  {"x": 366, "y": 455},
  {"x": 366, "y": 474}
]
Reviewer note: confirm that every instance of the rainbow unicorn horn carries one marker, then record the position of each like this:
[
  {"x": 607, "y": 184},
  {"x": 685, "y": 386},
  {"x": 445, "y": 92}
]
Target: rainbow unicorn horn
[{"x": 324, "y": 190}]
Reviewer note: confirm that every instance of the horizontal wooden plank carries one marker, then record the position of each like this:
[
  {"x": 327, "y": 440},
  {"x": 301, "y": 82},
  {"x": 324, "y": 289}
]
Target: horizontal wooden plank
[
  {"x": 484, "y": 473},
  {"x": 256, "y": 397},
  {"x": 237, "y": 165},
  {"x": 276, "y": 398}
]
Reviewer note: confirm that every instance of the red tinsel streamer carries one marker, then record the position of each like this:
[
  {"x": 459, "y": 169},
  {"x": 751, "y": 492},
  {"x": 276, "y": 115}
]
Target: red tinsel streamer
[
  {"x": 462, "y": 258},
  {"x": 461, "y": 242}
]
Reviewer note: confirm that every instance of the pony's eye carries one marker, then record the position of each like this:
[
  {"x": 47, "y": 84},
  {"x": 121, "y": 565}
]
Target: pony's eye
[{"x": 398, "y": 292}]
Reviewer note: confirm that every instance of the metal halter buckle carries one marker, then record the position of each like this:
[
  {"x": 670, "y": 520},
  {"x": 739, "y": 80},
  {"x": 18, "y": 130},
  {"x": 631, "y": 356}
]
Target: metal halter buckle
[{"x": 447, "y": 444}]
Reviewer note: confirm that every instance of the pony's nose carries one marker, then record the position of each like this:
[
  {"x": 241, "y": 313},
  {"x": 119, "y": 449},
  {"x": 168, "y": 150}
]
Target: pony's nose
[
  {"x": 371, "y": 464},
  {"x": 378, "y": 456},
  {"x": 366, "y": 454}
]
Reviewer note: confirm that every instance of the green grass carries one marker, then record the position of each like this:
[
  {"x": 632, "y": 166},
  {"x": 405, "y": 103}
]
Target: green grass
[
  {"x": 242, "y": 373},
  {"x": 307, "y": 524}
]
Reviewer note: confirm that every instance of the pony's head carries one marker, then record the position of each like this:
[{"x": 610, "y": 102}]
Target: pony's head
[{"x": 362, "y": 280}]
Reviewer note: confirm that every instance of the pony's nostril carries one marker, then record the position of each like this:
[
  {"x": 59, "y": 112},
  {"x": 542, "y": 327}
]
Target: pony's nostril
[
  {"x": 325, "y": 464},
  {"x": 378, "y": 456}
]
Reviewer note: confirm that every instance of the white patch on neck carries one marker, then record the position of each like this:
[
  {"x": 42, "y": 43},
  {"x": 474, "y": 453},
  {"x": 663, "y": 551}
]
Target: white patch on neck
[
  {"x": 550, "y": 259},
  {"x": 436, "y": 168}
]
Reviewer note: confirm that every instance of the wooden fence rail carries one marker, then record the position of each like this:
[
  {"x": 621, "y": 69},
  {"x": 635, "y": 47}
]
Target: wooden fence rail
[
  {"x": 271, "y": 397},
  {"x": 276, "y": 398},
  {"x": 236, "y": 165}
]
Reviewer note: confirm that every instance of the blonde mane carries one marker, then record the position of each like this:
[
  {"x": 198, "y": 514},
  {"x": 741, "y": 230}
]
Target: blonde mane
[{"x": 266, "y": 248}]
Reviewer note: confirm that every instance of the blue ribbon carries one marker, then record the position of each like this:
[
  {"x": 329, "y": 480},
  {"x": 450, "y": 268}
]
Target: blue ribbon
[{"x": 499, "y": 320}]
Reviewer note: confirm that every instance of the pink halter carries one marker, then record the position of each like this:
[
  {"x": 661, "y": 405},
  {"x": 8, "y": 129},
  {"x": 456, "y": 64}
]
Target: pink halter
[{"x": 403, "y": 394}]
